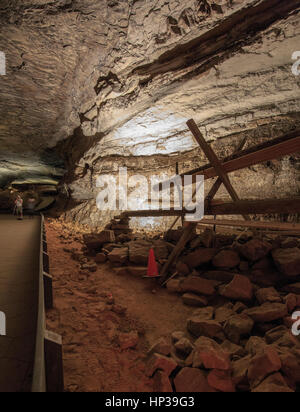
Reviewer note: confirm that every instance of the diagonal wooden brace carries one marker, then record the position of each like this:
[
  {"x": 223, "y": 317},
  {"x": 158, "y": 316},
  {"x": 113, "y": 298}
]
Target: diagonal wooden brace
[{"x": 215, "y": 162}]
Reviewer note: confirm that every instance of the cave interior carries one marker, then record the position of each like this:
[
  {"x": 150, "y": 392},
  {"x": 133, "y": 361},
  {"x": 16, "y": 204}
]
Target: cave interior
[{"x": 159, "y": 142}]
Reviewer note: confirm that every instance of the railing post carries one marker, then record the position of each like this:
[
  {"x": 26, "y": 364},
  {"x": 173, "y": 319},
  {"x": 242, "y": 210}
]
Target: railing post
[{"x": 54, "y": 362}]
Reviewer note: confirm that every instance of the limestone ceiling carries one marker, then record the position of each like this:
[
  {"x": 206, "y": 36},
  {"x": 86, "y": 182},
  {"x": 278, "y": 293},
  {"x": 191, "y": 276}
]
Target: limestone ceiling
[{"x": 130, "y": 73}]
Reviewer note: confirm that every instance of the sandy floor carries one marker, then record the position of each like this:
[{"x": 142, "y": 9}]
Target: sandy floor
[{"x": 93, "y": 360}]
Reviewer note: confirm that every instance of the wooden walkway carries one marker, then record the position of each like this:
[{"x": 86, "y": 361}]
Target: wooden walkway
[{"x": 19, "y": 270}]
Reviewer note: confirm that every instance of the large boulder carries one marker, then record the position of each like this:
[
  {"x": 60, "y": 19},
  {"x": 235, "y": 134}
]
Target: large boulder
[
  {"x": 198, "y": 285},
  {"x": 240, "y": 288},
  {"x": 223, "y": 313},
  {"x": 255, "y": 345},
  {"x": 139, "y": 252},
  {"x": 96, "y": 241},
  {"x": 162, "y": 347},
  {"x": 199, "y": 257},
  {"x": 161, "y": 249},
  {"x": 293, "y": 288},
  {"x": 184, "y": 346},
  {"x": 219, "y": 275},
  {"x": 209, "y": 328},
  {"x": 202, "y": 323},
  {"x": 268, "y": 295},
  {"x": 192, "y": 380},
  {"x": 161, "y": 382},
  {"x": 274, "y": 383},
  {"x": 255, "y": 249},
  {"x": 100, "y": 258},
  {"x": 262, "y": 365},
  {"x": 290, "y": 363},
  {"x": 240, "y": 373},
  {"x": 160, "y": 362},
  {"x": 190, "y": 299},
  {"x": 210, "y": 354},
  {"x": 265, "y": 277},
  {"x": 233, "y": 349},
  {"x": 238, "y": 326},
  {"x": 118, "y": 256},
  {"x": 287, "y": 261},
  {"x": 268, "y": 312},
  {"x": 226, "y": 259},
  {"x": 221, "y": 380}
]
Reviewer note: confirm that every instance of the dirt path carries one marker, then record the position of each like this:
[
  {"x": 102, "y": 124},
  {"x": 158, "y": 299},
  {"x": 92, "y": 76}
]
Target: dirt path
[
  {"x": 93, "y": 360},
  {"x": 19, "y": 271}
]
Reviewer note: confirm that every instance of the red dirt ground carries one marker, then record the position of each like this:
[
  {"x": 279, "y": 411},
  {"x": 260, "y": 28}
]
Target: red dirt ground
[{"x": 93, "y": 359}]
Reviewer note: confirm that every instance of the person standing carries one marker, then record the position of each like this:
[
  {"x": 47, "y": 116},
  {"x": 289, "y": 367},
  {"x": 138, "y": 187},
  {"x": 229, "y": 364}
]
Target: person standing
[
  {"x": 19, "y": 207},
  {"x": 31, "y": 206}
]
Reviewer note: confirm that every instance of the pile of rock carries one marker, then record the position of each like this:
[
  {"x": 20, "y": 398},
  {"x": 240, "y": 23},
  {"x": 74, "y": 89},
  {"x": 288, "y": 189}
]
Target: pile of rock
[
  {"x": 126, "y": 253},
  {"x": 240, "y": 337},
  {"x": 221, "y": 353}
]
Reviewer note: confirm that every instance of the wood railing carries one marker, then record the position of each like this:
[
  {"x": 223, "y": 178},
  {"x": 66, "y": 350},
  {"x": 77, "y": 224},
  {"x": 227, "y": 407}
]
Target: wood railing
[{"x": 48, "y": 365}]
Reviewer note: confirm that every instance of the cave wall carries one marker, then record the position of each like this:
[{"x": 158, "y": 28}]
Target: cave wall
[{"x": 112, "y": 83}]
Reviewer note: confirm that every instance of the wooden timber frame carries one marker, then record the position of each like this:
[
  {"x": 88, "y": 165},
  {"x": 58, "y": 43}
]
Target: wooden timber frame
[{"x": 271, "y": 150}]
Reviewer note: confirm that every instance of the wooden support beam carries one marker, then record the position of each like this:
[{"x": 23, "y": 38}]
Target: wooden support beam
[
  {"x": 54, "y": 362},
  {"x": 249, "y": 157},
  {"x": 221, "y": 207},
  {"x": 210, "y": 154},
  {"x": 254, "y": 207},
  {"x": 215, "y": 162},
  {"x": 186, "y": 236},
  {"x": 292, "y": 227}
]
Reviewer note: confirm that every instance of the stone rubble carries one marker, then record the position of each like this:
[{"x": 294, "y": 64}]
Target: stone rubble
[{"x": 239, "y": 336}]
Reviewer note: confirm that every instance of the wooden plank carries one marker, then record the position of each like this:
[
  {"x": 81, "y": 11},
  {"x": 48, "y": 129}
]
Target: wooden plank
[
  {"x": 248, "y": 158},
  {"x": 221, "y": 207},
  {"x": 252, "y": 159},
  {"x": 292, "y": 227},
  {"x": 255, "y": 207}
]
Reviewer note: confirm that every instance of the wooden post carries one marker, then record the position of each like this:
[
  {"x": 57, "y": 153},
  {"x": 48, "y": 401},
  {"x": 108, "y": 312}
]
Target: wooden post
[
  {"x": 215, "y": 162},
  {"x": 54, "y": 362},
  {"x": 48, "y": 290},
  {"x": 187, "y": 232},
  {"x": 46, "y": 263}
]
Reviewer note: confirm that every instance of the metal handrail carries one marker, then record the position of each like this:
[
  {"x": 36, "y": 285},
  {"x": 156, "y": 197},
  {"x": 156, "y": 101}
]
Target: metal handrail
[{"x": 39, "y": 370}]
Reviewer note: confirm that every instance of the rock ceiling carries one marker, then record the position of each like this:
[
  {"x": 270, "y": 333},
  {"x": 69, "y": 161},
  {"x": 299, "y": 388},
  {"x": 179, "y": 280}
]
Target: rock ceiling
[{"x": 122, "y": 77}]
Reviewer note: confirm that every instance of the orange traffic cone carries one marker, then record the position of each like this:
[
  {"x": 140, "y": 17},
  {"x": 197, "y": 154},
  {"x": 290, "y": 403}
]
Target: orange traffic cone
[{"x": 152, "y": 266}]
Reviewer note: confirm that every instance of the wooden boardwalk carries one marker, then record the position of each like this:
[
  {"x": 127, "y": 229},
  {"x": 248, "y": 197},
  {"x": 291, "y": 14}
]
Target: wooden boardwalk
[{"x": 19, "y": 269}]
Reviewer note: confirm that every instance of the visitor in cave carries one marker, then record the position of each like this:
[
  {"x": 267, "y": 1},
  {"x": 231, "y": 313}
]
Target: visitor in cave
[
  {"x": 31, "y": 202},
  {"x": 19, "y": 207}
]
